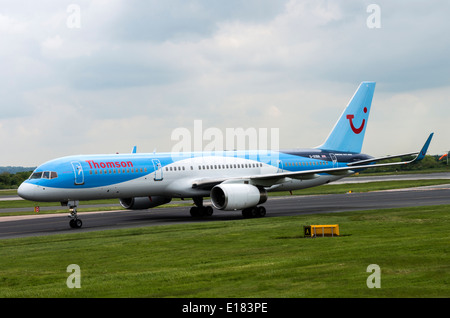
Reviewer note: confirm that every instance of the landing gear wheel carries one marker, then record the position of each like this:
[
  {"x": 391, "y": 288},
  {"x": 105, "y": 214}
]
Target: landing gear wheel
[
  {"x": 247, "y": 213},
  {"x": 200, "y": 211},
  {"x": 75, "y": 222},
  {"x": 254, "y": 212},
  {"x": 261, "y": 211},
  {"x": 194, "y": 211}
]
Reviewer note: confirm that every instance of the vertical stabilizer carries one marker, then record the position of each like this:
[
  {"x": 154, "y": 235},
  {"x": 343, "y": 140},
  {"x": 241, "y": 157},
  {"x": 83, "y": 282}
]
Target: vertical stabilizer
[{"x": 348, "y": 133}]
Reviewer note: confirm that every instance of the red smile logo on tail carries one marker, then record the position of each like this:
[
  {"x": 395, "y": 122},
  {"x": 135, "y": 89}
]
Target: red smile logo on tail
[{"x": 350, "y": 119}]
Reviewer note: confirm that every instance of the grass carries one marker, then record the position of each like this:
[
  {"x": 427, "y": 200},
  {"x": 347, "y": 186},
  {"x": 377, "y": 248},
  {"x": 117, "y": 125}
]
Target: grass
[{"x": 265, "y": 257}]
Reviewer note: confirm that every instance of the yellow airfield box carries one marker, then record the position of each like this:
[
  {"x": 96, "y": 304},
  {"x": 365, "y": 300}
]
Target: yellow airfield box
[{"x": 321, "y": 230}]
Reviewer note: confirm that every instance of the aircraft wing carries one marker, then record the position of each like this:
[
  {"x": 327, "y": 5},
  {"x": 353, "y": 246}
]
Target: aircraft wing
[
  {"x": 268, "y": 180},
  {"x": 208, "y": 183},
  {"x": 419, "y": 155}
]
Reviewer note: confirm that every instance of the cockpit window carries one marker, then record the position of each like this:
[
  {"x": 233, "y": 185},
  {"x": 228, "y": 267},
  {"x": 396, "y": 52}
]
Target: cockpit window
[
  {"x": 44, "y": 175},
  {"x": 36, "y": 175}
]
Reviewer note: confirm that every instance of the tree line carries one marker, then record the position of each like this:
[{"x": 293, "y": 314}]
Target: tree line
[{"x": 13, "y": 180}]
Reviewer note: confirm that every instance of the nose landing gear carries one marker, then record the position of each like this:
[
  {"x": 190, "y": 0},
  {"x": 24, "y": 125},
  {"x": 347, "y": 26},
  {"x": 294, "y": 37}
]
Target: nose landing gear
[{"x": 75, "y": 222}]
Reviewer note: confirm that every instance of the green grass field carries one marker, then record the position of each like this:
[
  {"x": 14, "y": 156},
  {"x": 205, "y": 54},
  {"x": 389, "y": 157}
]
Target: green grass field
[{"x": 266, "y": 257}]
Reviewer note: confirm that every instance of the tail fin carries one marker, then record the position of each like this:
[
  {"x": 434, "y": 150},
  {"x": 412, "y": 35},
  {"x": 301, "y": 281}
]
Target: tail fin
[{"x": 348, "y": 133}]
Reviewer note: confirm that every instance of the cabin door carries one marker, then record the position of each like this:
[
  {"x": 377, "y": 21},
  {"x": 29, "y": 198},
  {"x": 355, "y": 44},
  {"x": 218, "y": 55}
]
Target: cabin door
[
  {"x": 158, "y": 170},
  {"x": 78, "y": 171}
]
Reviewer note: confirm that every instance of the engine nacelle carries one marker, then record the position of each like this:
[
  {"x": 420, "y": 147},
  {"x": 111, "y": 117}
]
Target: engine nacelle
[
  {"x": 237, "y": 196},
  {"x": 141, "y": 203}
]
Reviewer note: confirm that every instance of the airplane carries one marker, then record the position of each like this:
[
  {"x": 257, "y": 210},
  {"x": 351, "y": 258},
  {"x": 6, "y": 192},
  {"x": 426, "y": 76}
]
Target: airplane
[{"x": 233, "y": 180}]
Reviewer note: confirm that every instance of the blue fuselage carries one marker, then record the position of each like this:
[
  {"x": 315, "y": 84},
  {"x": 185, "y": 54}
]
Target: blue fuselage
[{"x": 88, "y": 177}]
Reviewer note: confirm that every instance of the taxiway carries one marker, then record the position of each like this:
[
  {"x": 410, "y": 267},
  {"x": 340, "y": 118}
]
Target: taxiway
[{"x": 48, "y": 224}]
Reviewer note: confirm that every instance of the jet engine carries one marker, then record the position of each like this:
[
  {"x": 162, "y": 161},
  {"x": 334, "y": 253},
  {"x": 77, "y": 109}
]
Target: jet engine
[
  {"x": 237, "y": 196},
  {"x": 141, "y": 203}
]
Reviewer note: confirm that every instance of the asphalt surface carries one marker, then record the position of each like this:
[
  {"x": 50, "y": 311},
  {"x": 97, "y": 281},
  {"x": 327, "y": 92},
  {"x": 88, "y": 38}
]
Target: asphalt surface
[{"x": 47, "y": 224}]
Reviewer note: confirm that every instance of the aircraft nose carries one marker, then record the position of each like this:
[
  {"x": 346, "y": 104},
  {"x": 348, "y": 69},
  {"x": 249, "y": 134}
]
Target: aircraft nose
[{"x": 26, "y": 191}]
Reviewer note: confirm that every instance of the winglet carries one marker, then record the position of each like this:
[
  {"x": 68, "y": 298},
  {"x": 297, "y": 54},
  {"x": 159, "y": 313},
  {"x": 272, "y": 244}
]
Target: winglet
[
  {"x": 424, "y": 150},
  {"x": 134, "y": 150}
]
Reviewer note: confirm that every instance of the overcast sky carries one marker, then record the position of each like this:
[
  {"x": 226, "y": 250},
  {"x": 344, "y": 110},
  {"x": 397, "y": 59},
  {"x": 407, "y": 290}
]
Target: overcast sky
[{"x": 80, "y": 77}]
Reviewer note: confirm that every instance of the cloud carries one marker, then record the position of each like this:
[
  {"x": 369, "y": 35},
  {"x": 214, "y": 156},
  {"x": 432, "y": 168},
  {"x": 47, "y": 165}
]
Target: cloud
[
  {"x": 174, "y": 20},
  {"x": 134, "y": 71}
]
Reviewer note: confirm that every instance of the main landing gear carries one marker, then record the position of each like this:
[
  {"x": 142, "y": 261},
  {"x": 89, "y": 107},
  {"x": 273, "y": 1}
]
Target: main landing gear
[
  {"x": 75, "y": 222},
  {"x": 200, "y": 209},
  {"x": 254, "y": 212}
]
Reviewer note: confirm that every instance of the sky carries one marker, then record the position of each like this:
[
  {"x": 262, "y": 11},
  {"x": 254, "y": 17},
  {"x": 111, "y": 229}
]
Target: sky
[{"x": 101, "y": 76}]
